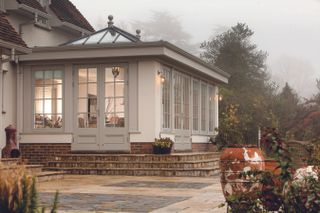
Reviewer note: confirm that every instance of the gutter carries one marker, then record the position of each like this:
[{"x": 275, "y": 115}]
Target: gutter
[{"x": 16, "y": 48}]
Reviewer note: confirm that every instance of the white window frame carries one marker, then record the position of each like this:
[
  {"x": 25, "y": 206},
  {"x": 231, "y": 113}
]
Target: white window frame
[
  {"x": 199, "y": 105},
  {"x": 205, "y": 109},
  {"x": 181, "y": 117},
  {"x": 168, "y": 76},
  {"x": 47, "y": 130},
  {"x": 211, "y": 103}
]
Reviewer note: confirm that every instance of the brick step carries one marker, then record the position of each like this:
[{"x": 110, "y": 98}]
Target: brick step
[
  {"x": 126, "y": 164},
  {"x": 30, "y": 169},
  {"x": 10, "y": 161},
  {"x": 138, "y": 157},
  {"x": 200, "y": 172},
  {"x": 46, "y": 176}
]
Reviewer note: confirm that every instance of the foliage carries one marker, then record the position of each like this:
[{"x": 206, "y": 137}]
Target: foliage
[
  {"x": 163, "y": 142},
  {"x": 18, "y": 193},
  {"x": 229, "y": 131},
  {"x": 290, "y": 193},
  {"x": 249, "y": 88}
]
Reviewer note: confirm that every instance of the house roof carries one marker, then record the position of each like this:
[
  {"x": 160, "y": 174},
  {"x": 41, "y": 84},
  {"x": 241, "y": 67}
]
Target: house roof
[
  {"x": 159, "y": 49},
  {"x": 111, "y": 34},
  {"x": 8, "y": 33},
  {"x": 32, "y": 3},
  {"x": 67, "y": 12}
]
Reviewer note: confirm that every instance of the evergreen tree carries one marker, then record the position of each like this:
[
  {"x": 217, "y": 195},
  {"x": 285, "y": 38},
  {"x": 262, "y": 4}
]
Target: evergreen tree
[{"x": 248, "y": 88}]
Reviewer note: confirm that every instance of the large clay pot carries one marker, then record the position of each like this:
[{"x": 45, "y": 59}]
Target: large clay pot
[{"x": 234, "y": 161}]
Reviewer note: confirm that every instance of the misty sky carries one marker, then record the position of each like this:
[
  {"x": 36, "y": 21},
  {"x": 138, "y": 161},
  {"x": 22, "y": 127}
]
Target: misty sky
[{"x": 289, "y": 30}]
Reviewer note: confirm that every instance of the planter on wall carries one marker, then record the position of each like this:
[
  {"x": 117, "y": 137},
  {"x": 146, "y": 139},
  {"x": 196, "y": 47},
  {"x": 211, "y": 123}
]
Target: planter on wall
[
  {"x": 234, "y": 161},
  {"x": 161, "y": 150}
]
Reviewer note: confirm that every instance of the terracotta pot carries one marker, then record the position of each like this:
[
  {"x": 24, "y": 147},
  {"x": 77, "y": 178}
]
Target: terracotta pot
[{"x": 234, "y": 161}]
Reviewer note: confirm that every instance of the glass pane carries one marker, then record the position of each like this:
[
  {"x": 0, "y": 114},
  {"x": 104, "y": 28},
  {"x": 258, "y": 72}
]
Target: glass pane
[
  {"x": 58, "y": 106},
  {"x": 119, "y": 121},
  {"x": 48, "y": 76},
  {"x": 82, "y": 105},
  {"x": 48, "y": 92},
  {"x": 122, "y": 39},
  {"x": 92, "y": 105},
  {"x": 57, "y": 91},
  {"x": 120, "y": 76},
  {"x": 109, "y": 38},
  {"x": 38, "y": 121},
  {"x": 38, "y": 92},
  {"x": 119, "y": 105},
  {"x": 82, "y": 120},
  {"x": 109, "y": 105},
  {"x": 57, "y": 77},
  {"x": 38, "y": 106},
  {"x": 92, "y": 89},
  {"x": 79, "y": 41},
  {"x": 109, "y": 120},
  {"x": 108, "y": 75},
  {"x": 48, "y": 106},
  {"x": 94, "y": 39},
  {"x": 38, "y": 75},
  {"x": 56, "y": 121},
  {"x": 109, "y": 90},
  {"x": 119, "y": 89},
  {"x": 92, "y": 72},
  {"x": 92, "y": 120},
  {"x": 82, "y": 75},
  {"x": 82, "y": 92}
]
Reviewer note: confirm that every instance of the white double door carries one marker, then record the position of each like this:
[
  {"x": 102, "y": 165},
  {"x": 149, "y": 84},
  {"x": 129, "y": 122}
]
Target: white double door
[{"x": 100, "y": 108}]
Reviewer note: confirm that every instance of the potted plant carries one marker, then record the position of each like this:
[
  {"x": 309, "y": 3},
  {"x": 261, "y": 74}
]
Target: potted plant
[{"x": 162, "y": 146}]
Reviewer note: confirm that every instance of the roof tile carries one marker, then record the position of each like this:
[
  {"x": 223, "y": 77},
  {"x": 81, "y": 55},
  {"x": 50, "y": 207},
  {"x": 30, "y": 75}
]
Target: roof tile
[
  {"x": 67, "y": 12},
  {"x": 8, "y": 33}
]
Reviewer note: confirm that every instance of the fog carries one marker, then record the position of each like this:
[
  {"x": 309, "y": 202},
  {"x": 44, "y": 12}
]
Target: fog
[{"x": 289, "y": 30}]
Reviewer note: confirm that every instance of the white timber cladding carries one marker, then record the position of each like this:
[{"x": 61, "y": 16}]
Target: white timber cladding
[{"x": 188, "y": 103}]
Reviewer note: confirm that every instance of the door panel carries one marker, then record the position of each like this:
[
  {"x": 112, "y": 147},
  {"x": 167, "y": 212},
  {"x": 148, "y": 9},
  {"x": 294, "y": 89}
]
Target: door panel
[
  {"x": 85, "y": 108},
  {"x": 100, "y": 106}
]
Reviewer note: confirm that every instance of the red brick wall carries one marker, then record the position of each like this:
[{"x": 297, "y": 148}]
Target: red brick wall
[
  {"x": 203, "y": 147},
  {"x": 36, "y": 153},
  {"x": 141, "y": 148}
]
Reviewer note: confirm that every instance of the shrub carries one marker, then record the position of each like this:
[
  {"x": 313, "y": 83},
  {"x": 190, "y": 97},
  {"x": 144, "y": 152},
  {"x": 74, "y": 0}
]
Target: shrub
[{"x": 18, "y": 193}]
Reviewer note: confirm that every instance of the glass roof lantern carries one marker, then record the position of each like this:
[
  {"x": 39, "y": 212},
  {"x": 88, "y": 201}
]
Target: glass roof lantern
[{"x": 111, "y": 34}]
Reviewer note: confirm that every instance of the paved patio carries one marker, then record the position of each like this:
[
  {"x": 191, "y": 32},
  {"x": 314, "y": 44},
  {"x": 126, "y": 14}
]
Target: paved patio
[{"x": 134, "y": 194}]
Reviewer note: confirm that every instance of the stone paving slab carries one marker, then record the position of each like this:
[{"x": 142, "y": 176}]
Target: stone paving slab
[
  {"x": 101, "y": 194},
  {"x": 157, "y": 184}
]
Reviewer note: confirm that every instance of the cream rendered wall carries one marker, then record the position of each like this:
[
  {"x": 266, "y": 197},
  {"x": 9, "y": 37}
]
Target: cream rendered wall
[
  {"x": 148, "y": 92},
  {"x": 36, "y": 36},
  {"x": 9, "y": 99}
]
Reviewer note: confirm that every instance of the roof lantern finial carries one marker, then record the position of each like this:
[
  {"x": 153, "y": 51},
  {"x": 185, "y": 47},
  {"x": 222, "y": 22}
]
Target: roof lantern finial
[
  {"x": 138, "y": 31},
  {"x": 110, "y": 22}
]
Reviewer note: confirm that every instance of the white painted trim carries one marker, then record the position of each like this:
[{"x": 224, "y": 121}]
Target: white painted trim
[{"x": 46, "y": 138}]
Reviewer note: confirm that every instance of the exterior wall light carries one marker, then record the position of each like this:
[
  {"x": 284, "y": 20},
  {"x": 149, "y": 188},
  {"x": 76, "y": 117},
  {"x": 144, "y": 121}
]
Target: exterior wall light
[{"x": 162, "y": 77}]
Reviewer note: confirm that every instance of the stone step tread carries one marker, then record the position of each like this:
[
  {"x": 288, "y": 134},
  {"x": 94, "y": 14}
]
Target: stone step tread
[
  {"x": 50, "y": 173},
  {"x": 134, "y": 169},
  {"x": 140, "y": 155},
  {"x": 138, "y": 162},
  {"x": 21, "y": 166}
]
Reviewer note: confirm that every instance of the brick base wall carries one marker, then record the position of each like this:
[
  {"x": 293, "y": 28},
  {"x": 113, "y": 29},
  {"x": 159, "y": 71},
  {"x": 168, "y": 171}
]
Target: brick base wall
[
  {"x": 141, "y": 148},
  {"x": 204, "y": 147},
  {"x": 42, "y": 153}
]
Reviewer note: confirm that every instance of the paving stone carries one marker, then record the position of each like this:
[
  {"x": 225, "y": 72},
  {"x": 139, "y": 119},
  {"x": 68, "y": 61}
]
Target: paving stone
[{"x": 154, "y": 184}]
